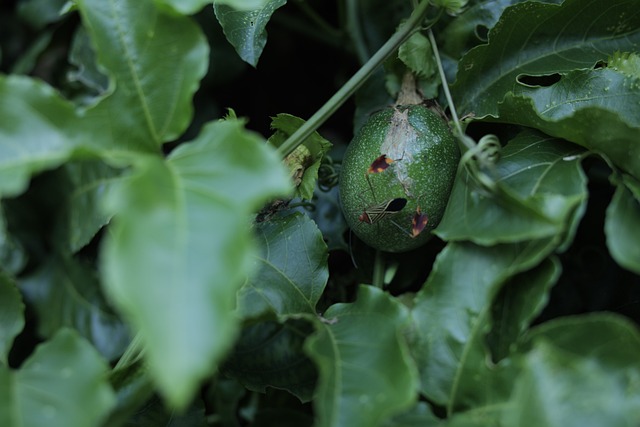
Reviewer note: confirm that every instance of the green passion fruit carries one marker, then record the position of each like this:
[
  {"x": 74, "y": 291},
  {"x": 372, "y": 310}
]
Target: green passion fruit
[{"x": 397, "y": 175}]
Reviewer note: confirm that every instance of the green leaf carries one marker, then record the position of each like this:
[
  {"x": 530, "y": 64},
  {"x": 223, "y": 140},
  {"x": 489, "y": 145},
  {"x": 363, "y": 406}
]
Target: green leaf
[
  {"x": 87, "y": 72},
  {"x": 12, "y": 255},
  {"x": 417, "y": 55},
  {"x": 622, "y": 227},
  {"x": 605, "y": 88},
  {"x": 185, "y": 7},
  {"x": 452, "y": 314},
  {"x": 154, "y": 413},
  {"x": 290, "y": 272},
  {"x": 366, "y": 373},
  {"x": 189, "y": 7},
  {"x": 627, "y": 63},
  {"x": 418, "y": 416},
  {"x": 39, "y": 13},
  {"x": 305, "y": 160},
  {"x": 598, "y": 109},
  {"x": 133, "y": 389},
  {"x": 28, "y": 59},
  {"x": 62, "y": 384},
  {"x": 580, "y": 371},
  {"x": 328, "y": 216},
  {"x": 462, "y": 33},
  {"x": 535, "y": 39},
  {"x": 243, "y": 4},
  {"x": 11, "y": 316},
  {"x": 62, "y": 292},
  {"x": 269, "y": 354},
  {"x": 180, "y": 246},
  {"x": 35, "y": 131},
  {"x": 246, "y": 29},
  {"x": 91, "y": 182},
  {"x": 542, "y": 193},
  {"x": 518, "y": 303},
  {"x": 156, "y": 64}
]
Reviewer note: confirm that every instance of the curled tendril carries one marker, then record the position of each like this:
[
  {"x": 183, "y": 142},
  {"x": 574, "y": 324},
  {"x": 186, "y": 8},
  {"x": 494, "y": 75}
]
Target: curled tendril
[
  {"x": 328, "y": 174},
  {"x": 480, "y": 161}
]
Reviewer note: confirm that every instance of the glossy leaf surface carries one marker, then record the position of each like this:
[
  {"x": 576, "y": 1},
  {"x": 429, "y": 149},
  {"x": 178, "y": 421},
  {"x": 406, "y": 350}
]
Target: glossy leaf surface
[
  {"x": 290, "y": 271},
  {"x": 542, "y": 189},
  {"x": 535, "y": 38},
  {"x": 246, "y": 29},
  {"x": 597, "y": 109},
  {"x": 366, "y": 374},
  {"x": 452, "y": 314}
]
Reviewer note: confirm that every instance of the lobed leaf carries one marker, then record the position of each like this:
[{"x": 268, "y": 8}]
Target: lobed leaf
[
  {"x": 62, "y": 384},
  {"x": 535, "y": 38},
  {"x": 11, "y": 316},
  {"x": 541, "y": 193},
  {"x": 291, "y": 270},
  {"x": 180, "y": 246},
  {"x": 622, "y": 227},
  {"x": 452, "y": 315},
  {"x": 246, "y": 29},
  {"x": 155, "y": 65},
  {"x": 365, "y": 372}
]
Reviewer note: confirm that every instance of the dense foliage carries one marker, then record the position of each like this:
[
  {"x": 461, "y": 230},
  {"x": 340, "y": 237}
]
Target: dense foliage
[{"x": 172, "y": 250}]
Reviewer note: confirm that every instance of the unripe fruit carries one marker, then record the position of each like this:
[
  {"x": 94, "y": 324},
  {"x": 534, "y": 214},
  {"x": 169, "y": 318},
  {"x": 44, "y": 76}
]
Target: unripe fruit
[{"x": 397, "y": 175}]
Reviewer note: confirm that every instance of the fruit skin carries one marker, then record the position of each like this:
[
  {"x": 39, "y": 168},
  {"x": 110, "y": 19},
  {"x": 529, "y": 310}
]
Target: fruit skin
[{"x": 423, "y": 157}]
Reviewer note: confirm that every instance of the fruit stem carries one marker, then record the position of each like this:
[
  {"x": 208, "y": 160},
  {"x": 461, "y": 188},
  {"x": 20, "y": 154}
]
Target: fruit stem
[
  {"x": 331, "y": 106},
  {"x": 408, "y": 91}
]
